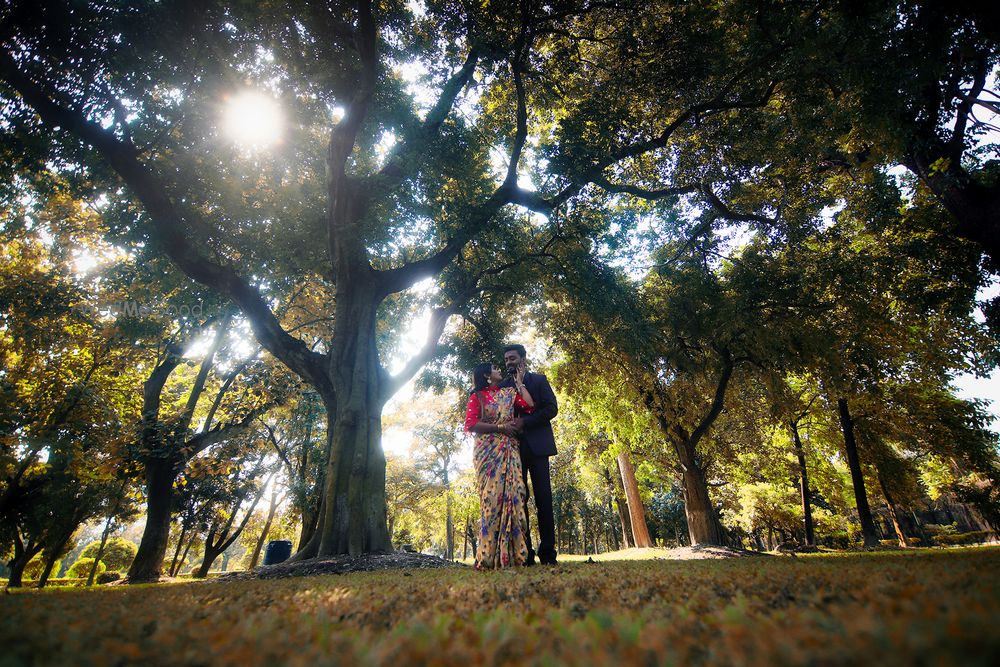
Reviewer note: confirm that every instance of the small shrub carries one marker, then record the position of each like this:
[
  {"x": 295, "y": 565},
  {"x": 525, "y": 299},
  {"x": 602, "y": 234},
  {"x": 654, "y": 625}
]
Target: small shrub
[
  {"x": 81, "y": 568},
  {"x": 837, "y": 540},
  {"x": 936, "y": 530},
  {"x": 33, "y": 570},
  {"x": 118, "y": 552},
  {"x": 974, "y": 537},
  {"x": 108, "y": 577}
]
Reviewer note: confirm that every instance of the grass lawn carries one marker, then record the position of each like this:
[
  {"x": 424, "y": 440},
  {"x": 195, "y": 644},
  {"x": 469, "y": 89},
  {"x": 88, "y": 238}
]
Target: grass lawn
[{"x": 926, "y": 607}]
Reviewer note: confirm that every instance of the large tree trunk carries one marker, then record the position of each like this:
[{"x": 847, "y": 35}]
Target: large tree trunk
[
  {"x": 637, "y": 515},
  {"x": 310, "y": 517},
  {"x": 23, "y": 553},
  {"x": 703, "y": 525},
  {"x": 353, "y": 518},
  {"x": 974, "y": 205},
  {"x": 148, "y": 563},
  {"x": 703, "y": 528},
  {"x": 868, "y": 529},
  {"x": 804, "y": 487}
]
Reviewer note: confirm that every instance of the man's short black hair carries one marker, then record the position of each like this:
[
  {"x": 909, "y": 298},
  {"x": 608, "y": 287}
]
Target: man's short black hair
[{"x": 517, "y": 347}]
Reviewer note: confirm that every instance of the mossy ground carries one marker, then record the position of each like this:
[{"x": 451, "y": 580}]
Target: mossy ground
[{"x": 928, "y": 607}]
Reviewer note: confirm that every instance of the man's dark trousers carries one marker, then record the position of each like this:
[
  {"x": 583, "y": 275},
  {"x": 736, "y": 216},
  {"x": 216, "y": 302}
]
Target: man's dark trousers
[
  {"x": 538, "y": 468},
  {"x": 537, "y": 444}
]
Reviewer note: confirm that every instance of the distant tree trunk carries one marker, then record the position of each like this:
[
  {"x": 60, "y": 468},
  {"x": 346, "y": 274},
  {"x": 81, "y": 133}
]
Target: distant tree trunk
[
  {"x": 209, "y": 556},
  {"x": 267, "y": 528},
  {"x": 100, "y": 550},
  {"x": 618, "y": 491},
  {"x": 891, "y": 505},
  {"x": 636, "y": 514},
  {"x": 612, "y": 535},
  {"x": 924, "y": 540},
  {"x": 177, "y": 550},
  {"x": 226, "y": 533},
  {"x": 51, "y": 556},
  {"x": 868, "y": 529},
  {"x": 50, "y": 562},
  {"x": 180, "y": 563},
  {"x": 23, "y": 553},
  {"x": 148, "y": 562},
  {"x": 703, "y": 525},
  {"x": 810, "y": 537},
  {"x": 58, "y": 546},
  {"x": 449, "y": 521},
  {"x": 472, "y": 536}
]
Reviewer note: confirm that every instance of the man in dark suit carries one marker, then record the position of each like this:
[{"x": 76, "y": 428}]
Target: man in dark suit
[{"x": 537, "y": 445}]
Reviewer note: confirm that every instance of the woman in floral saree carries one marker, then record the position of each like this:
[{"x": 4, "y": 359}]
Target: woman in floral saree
[{"x": 498, "y": 467}]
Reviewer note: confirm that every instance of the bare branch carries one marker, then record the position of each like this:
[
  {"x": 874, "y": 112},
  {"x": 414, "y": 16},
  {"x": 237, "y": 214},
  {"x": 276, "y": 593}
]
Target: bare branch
[{"x": 642, "y": 193}]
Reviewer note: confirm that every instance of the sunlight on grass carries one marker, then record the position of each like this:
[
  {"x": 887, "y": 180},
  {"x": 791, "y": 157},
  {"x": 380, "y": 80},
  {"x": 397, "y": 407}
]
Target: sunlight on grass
[{"x": 926, "y": 606}]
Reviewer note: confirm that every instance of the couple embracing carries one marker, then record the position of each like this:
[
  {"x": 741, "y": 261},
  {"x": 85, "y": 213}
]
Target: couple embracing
[{"x": 509, "y": 413}]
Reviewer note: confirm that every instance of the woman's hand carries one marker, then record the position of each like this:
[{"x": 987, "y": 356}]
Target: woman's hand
[{"x": 519, "y": 375}]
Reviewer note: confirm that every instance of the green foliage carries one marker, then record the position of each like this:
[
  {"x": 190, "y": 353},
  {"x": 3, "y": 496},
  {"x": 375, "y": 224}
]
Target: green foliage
[
  {"x": 118, "y": 553},
  {"x": 33, "y": 570},
  {"x": 81, "y": 568},
  {"x": 973, "y": 537}
]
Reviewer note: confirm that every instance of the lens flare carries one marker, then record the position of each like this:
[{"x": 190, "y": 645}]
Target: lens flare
[{"x": 253, "y": 119}]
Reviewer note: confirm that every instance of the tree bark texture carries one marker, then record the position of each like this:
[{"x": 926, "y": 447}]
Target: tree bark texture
[
  {"x": 637, "y": 515},
  {"x": 868, "y": 530}
]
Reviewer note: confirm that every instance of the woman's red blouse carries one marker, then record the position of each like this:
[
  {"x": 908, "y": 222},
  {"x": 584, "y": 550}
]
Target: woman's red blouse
[{"x": 472, "y": 409}]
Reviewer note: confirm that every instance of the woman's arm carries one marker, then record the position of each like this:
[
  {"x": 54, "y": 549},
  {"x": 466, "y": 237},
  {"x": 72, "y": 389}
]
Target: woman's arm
[
  {"x": 522, "y": 391},
  {"x": 473, "y": 424}
]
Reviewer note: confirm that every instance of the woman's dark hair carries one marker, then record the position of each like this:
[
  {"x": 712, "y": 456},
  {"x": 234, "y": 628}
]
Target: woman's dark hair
[{"x": 481, "y": 375}]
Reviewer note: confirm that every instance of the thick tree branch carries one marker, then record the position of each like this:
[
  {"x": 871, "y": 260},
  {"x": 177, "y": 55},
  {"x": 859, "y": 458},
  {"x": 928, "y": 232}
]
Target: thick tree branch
[
  {"x": 202, "y": 441},
  {"x": 395, "y": 171},
  {"x": 957, "y": 143},
  {"x": 643, "y": 193},
  {"x": 439, "y": 318},
  {"x": 718, "y": 401},
  {"x": 725, "y": 212}
]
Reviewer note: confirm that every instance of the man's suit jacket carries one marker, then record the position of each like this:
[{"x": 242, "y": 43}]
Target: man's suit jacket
[{"x": 537, "y": 433}]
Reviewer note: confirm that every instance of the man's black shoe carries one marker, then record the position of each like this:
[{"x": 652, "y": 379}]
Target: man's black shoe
[{"x": 548, "y": 561}]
